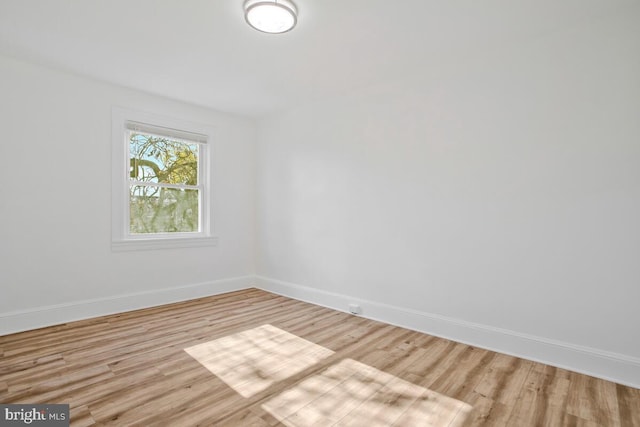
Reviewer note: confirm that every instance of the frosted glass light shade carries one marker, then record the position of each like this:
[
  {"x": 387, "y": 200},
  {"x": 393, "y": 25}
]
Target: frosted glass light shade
[{"x": 271, "y": 16}]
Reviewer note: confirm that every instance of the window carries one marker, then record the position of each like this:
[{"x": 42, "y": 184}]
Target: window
[
  {"x": 165, "y": 188},
  {"x": 161, "y": 186}
]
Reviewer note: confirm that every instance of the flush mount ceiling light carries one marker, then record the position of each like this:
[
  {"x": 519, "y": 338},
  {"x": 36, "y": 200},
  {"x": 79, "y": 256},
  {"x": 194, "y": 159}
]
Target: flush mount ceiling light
[{"x": 271, "y": 16}]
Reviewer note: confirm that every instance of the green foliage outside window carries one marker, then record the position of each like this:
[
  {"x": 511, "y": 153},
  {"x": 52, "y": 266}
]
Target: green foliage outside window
[{"x": 163, "y": 179}]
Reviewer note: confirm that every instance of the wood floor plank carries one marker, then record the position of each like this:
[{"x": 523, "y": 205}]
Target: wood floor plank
[
  {"x": 593, "y": 399},
  {"x": 4, "y": 388},
  {"x": 505, "y": 378},
  {"x": 110, "y": 388},
  {"x": 461, "y": 378},
  {"x": 133, "y": 369},
  {"x": 482, "y": 409},
  {"x": 440, "y": 360},
  {"x": 542, "y": 398},
  {"x": 573, "y": 421},
  {"x": 628, "y": 401},
  {"x": 246, "y": 417},
  {"x": 81, "y": 417},
  {"x": 49, "y": 390},
  {"x": 142, "y": 393},
  {"x": 30, "y": 371}
]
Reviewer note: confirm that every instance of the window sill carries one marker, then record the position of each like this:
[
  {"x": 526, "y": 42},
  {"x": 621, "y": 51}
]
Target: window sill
[{"x": 153, "y": 244}]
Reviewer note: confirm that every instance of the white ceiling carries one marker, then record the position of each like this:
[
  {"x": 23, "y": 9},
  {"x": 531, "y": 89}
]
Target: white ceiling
[{"x": 202, "y": 51}]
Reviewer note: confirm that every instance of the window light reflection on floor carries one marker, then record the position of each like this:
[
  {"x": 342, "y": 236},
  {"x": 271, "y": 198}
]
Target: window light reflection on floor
[
  {"x": 351, "y": 393},
  {"x": 252, "y": 360},
  {"x": 346, "y": 393}
]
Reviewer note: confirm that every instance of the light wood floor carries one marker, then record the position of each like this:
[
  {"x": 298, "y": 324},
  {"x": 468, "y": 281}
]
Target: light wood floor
[{"x": 251, "y": 358}]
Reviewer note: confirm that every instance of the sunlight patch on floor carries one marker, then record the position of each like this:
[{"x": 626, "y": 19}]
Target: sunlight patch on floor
[
  {"x": 351, "y": 393},
  {"x": 252, "y": 360}
]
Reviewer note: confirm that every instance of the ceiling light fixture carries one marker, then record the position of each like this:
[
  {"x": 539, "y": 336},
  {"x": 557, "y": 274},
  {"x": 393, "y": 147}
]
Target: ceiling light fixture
[{"x": 271, "y": 16}]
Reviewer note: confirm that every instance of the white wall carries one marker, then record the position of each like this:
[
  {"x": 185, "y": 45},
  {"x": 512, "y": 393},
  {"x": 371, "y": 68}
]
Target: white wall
[
  {"x": 500, "y": 191},
  {"x": 55, "y": 203}
]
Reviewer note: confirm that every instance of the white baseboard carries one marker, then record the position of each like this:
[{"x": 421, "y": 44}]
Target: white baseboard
[
  {"x": 23, "y": 320},
  {"x": 614, "y": 367}
]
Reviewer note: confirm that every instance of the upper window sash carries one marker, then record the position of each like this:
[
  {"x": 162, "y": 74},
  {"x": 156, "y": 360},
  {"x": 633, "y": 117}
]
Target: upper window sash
[{"x": 202, "y": 154}]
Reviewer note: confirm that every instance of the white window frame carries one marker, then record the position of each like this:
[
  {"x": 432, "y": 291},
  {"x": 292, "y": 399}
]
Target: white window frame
[{"x": 122, "y": 121}]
